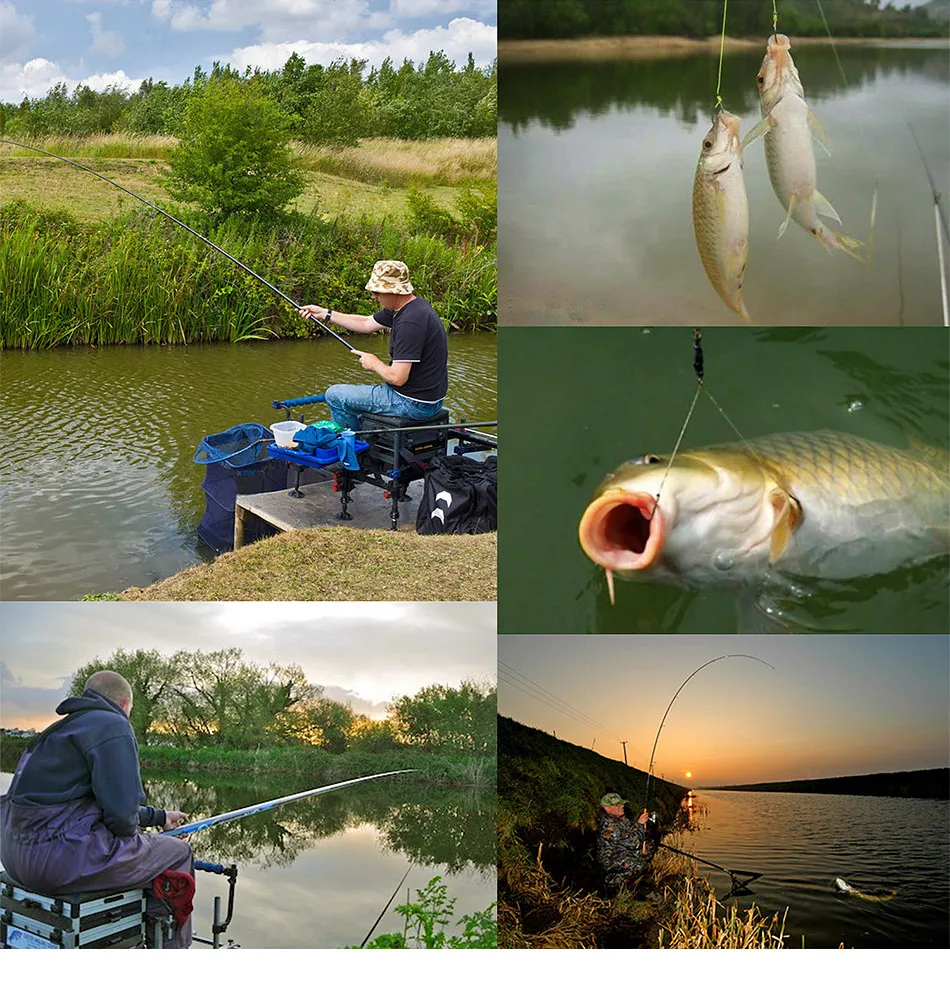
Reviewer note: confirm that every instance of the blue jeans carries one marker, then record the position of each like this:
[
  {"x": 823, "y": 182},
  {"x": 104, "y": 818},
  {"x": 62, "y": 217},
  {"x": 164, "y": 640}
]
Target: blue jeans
[{"x": 346, "y": 402}]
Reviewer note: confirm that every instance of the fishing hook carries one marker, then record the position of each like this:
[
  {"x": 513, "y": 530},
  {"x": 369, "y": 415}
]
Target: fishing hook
[
  {"x": 670, "y": 706},
  {"x": 178, "y": 221}
]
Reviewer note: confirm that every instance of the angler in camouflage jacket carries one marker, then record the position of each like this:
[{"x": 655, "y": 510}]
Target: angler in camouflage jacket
[{"x": 625, "y": 848}]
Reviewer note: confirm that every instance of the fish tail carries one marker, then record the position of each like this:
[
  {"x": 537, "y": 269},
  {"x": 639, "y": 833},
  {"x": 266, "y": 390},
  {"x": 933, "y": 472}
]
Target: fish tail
[{"x": 855, "y": 248}]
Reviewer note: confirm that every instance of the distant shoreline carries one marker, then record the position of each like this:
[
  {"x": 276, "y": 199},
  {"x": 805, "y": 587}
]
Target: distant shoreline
[
  {"x": 933, "y": 783},
  {"x": 654, "y": 46}
]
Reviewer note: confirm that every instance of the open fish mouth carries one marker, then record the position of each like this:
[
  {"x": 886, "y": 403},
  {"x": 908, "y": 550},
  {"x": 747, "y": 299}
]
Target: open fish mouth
[{"x": 623, "y": 530}]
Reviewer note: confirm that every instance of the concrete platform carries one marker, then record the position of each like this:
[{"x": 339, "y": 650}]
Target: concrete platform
[{"x": 320, "y": 506}]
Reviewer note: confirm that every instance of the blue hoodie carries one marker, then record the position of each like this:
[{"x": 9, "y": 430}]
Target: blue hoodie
[{"x": 93, "y": 753}]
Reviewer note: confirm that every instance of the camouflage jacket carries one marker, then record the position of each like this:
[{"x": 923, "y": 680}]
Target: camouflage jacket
[{"x": 620, "y": 844}]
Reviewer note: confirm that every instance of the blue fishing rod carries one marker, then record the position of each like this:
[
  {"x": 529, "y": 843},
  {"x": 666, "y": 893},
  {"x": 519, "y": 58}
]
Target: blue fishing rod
[
  {"x": 270, "y": 286},
  {"x": 206, "y": 823}
]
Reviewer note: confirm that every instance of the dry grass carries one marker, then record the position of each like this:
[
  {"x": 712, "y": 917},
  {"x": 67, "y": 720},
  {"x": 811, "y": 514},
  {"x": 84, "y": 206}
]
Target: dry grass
[
  {"x": 124, "y": 145},
  {"x": 697, "y": 920},
  {"x": 341, "y": 564},
  {"x": 402, "y": 163}
]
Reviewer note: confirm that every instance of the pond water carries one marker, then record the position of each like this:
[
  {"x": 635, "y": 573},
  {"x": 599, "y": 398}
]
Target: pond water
[
  {"x": 98, "y": 487},
  {"x": 604, "y": 395},
  {"x": 316, "y": 873},
  {"x": 596, "y": 163},
  {"x": 801, "y": 842}
]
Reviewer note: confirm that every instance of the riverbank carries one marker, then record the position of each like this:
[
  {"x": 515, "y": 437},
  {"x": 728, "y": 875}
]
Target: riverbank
[
  {"x": 654, "y": 46},
  {"x": 551, "y": 892},
  {"x": 312, "y": 762},
  {"x": 340, "y": 564}
]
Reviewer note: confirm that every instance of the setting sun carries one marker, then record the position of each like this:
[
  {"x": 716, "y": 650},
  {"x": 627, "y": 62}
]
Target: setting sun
[{"x": 688, "y": 774}]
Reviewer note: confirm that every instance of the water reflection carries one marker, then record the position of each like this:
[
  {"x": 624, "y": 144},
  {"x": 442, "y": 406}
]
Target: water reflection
[
  {"x": 556, "y": 94},
  {"x": 453, "y": 829}
]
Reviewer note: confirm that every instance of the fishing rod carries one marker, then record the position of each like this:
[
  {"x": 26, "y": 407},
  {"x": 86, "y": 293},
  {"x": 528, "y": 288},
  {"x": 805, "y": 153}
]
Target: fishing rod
[
  {"x": 939, "y": 218},
  {"x": 382, "y": 913},
  {"x": 178, "y": 221},
  {"x": 206, "y": 823},
  {"x": 741, "y": 878},
  {"x": 670, "y": 706}
]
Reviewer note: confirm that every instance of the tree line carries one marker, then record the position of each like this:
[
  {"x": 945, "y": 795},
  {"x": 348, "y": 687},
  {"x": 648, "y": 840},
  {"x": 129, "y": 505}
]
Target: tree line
[
  {"x": 524, "y": 19},
  {"x": 324, "y": 105},
  {"x": 195, "y": 699}
]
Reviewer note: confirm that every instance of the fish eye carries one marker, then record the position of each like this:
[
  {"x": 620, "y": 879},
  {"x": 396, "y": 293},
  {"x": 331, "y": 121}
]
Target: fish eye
[
  {"x": 648, "y": 458},
  {"x": 760, "y": 79},
  {"x": 707, "y": 144}
]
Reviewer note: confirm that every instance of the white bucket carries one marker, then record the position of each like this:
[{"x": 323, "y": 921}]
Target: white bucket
[{"x": 284, "y": 431}]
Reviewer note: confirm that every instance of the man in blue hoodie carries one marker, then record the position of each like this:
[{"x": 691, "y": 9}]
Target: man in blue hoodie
[{"x": 72, "y": 818}]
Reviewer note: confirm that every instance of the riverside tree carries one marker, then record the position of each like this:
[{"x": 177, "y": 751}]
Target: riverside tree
[{"x": 234, "y": 156}]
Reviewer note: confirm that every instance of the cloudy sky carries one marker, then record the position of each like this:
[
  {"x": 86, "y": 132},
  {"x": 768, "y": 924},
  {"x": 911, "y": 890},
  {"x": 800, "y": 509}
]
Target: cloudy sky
[
  {"x": 363, "y": 653},
  {"x": 122, "y": 42},
  {"x": 833, "y": 705}
]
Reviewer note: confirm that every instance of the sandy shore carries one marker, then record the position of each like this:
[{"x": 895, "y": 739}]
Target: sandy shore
[{"x": 651, "y": 46}]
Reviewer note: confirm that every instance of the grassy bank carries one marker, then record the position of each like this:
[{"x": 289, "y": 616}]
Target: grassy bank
[
  {"x": 550, "y": 890},
  {"x": 648, "y": 46},
  {"x": 139, "y": 279},
  {"x": 303, "y": 761},
  {"x": 358, "y": 564}
]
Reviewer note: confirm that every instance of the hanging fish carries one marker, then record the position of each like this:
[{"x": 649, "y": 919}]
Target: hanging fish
[
  {"x": 721, "y": 211},
  {"x": 819, "y": 505},
  {"x": 788, "y": 126}
]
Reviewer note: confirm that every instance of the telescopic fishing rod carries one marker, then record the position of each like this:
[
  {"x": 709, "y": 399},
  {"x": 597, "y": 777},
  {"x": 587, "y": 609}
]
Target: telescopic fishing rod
[
  {"x": 670, "y": 706},
  {"x": 206, "y": 823},
  {"x": 188, "y": 228},
  {"x": 382, "y": 913}
]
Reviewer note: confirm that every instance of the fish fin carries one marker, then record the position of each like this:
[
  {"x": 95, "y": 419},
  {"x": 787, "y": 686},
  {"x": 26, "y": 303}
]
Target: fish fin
[
  {"x": 792, "y": 205},
  {"x": 788, "y": 516},
  {"x": 824, "y": 207},
  {"x": 759, "y": 130},
  {"x": 610, "y": 585},
  {"x": 852, "y": 247},
  {"x": 818, "y": 132}
]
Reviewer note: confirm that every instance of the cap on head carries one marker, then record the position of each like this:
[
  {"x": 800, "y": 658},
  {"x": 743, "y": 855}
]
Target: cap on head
[
  {"x": 390, "y": 276},
  {"x": 111, "y": 685},
  {"x": 612, "y": 800}
]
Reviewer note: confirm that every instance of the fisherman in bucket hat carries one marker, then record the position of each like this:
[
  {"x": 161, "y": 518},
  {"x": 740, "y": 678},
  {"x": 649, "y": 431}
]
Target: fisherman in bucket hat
[
  {"x": 625, "y": 848},
  {"x": 416, "y": 379}
]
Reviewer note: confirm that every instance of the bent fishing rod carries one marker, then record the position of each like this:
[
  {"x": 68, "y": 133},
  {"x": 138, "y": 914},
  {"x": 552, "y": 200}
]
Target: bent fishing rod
[
  {"x": 712, "y": 661},
  {"x": 206, "y": 823},
  {"x": 178, "y": 221}
]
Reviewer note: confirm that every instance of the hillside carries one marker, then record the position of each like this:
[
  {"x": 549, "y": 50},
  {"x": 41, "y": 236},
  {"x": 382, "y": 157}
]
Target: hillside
[
  {"x": 549, "y": 890},
  {"x": 933, "y": 783}
]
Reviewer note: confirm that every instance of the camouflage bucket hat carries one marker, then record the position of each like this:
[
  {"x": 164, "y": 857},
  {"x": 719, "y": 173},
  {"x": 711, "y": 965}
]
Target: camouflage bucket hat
[
  {"x": 612, "y": 800},
  {"x": 390, "y": 276}
]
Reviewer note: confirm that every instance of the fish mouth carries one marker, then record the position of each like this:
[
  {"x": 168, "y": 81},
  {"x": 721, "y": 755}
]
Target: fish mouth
[{"x": 623, "y": 530}]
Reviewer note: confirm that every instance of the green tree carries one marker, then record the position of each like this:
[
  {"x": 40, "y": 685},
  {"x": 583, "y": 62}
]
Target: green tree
[
  {"x": 152, "y": 677},
  {"x": 234, "y": 156},
  {"x": 442, "y": 719}
]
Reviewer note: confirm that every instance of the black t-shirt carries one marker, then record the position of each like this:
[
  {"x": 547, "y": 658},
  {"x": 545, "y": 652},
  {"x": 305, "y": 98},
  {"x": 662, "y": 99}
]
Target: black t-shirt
[{"x": 418, "y": 336}]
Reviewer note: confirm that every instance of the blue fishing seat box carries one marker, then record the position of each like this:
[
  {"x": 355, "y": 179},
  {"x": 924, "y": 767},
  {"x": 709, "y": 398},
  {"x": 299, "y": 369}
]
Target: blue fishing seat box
[{"x": 104, "y": 919}]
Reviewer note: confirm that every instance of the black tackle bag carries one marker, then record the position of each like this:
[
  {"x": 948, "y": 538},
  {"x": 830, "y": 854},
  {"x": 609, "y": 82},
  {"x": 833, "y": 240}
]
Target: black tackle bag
[{"x": 460, "y": 496}]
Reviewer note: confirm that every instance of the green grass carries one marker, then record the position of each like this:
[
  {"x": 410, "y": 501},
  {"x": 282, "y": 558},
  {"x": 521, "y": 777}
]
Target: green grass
[
  {"x": 139, "y": 279},
  {"x": 367, "y": 564}
]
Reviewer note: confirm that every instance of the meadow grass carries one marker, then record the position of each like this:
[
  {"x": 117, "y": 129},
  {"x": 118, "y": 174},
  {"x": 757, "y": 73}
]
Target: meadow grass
[{"x": 139, "y": 279}]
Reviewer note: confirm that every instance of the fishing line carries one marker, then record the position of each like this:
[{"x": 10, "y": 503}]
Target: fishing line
[
  {"x": 388, "y": 902},
  {"x": 178, "y": 221},
  {"x": 834, "y": 47},
  {"x": 774, "y": 18},
  {"x": 722, "y": 45},
  {"x": 670, "y": 706},
  {"x": 679, "y": 440}
]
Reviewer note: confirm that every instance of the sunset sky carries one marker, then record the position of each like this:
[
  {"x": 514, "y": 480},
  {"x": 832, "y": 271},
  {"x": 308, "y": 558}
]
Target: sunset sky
[
  {"x": 834, "y": 705},
  {"x": 362, "y": 653}
]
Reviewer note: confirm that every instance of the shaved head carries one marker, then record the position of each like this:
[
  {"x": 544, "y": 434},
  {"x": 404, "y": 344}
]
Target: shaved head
[{"x": 111, "y": 685}]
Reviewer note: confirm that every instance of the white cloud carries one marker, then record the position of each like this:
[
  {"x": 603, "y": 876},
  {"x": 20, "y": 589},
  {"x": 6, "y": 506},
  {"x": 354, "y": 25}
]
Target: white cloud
[
  {"x": 38, "y": 76},
  {"x": 277, "y": 20},
  {"x": 104, "y": 42},
  {"x": 429, "y": 8},
  {"x": 16, "y": 32},
  {"x": 460, "y": 37}
]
